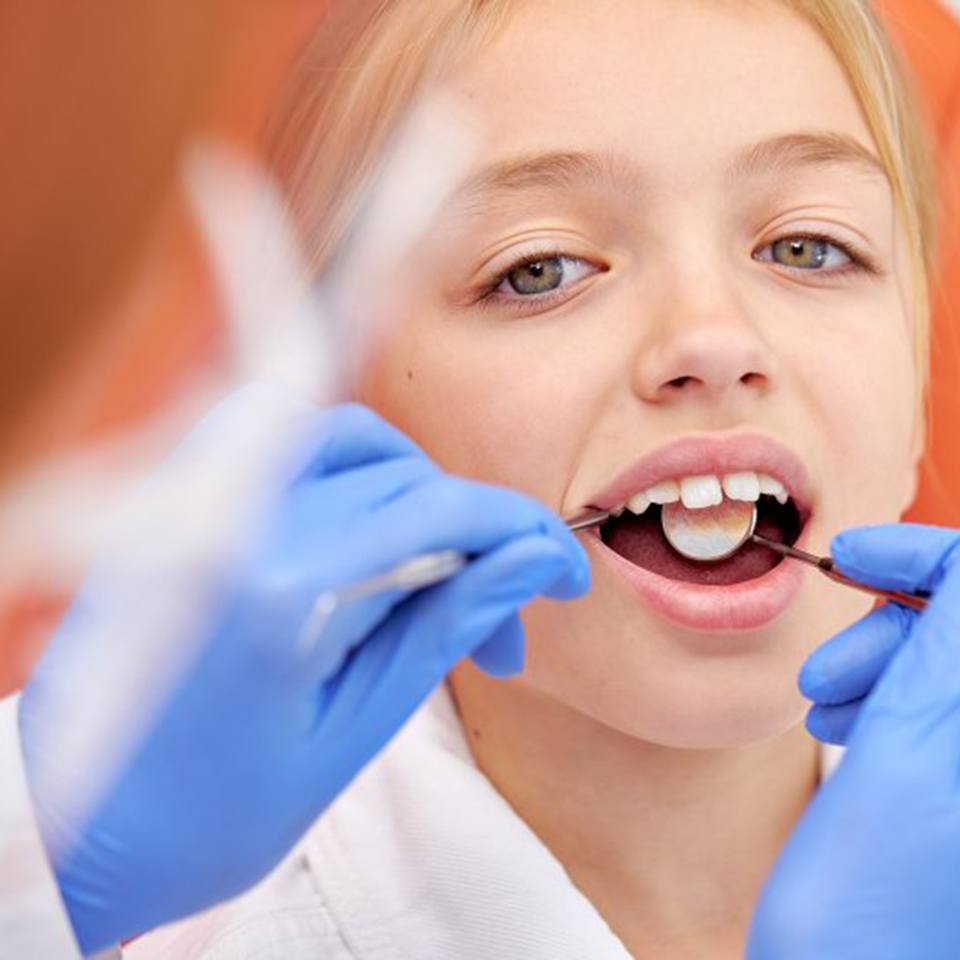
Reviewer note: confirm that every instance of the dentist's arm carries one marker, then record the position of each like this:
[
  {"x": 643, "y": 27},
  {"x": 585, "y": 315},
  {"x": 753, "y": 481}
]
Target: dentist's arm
[
  {"x": 260, "y": 736},
  {"x": 873, "y": 867}
]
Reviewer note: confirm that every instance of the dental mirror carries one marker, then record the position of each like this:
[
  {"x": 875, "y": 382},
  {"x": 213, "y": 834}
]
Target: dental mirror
[{"x": 710, "y": 534}]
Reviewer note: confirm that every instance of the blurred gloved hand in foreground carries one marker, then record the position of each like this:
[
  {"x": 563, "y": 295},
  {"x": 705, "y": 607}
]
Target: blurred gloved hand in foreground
[
  {"x": 260, "y": 734},
  {"x": 871, "y": 871}
]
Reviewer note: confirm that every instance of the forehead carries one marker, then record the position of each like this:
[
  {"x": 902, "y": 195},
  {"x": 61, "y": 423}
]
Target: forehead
[{"x": 683, "y": 87}]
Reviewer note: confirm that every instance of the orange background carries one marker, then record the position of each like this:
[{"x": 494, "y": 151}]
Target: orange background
[
  {"x": 930, "y": 38},
  {"x": 167, "y": 324}
]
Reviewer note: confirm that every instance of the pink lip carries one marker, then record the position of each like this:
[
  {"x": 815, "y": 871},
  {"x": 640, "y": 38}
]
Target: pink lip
[
  {"x": 695, "y": 456},
  {"x": 737, "y": 607}
]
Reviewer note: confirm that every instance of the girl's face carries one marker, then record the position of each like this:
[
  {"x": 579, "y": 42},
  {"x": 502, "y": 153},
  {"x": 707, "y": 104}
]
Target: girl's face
[{"x": 677, "y": 233}]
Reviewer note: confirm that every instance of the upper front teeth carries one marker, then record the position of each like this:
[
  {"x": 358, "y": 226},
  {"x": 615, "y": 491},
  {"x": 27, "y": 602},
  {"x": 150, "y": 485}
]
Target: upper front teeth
[
  {"x": 774, "y": 487},
  {"x": 697, "y": 492},
  {"x": 708, "y": 490},
  {"x": 743, "y": 486}
]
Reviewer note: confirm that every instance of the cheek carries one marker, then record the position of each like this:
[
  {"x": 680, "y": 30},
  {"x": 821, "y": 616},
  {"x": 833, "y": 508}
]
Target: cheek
[
  {"x": 502, "y": 406},
  {"x": 863, "y": 392}
]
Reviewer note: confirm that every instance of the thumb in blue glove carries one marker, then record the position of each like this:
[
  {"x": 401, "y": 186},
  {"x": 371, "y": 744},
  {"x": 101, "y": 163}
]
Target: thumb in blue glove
[
  {"x": 839, "y": 675},
  {"x": 871, "y": 869}
]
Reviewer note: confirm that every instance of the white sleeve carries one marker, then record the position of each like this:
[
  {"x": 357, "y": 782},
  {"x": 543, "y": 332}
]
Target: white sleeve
[{"x": 33, "y": 919}]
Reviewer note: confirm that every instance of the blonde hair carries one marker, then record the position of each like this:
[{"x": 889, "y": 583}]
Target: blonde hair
[{"x": 353, "y": 83}]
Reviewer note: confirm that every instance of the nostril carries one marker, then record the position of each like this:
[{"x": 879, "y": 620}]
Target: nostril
[{"x": 687, "y": 381}]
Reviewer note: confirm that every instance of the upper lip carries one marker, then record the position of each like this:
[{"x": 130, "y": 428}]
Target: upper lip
[{"x": 711, "y": 454}]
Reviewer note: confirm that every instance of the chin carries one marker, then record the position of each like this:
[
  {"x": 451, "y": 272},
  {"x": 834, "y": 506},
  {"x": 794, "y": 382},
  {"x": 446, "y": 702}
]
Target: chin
[
  {"x": 663, "y": 694},
  {"x": 712, "y": 721},
  {"x": 716, "y": 722}
]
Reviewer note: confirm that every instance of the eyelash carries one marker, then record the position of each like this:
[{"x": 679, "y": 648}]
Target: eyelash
[
  {"x": 488, "y": 297},
  {"x": 860, "y": 262}
]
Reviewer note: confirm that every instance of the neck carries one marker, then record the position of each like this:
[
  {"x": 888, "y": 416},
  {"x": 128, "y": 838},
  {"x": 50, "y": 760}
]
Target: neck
[{"x": 671, "y": 845}]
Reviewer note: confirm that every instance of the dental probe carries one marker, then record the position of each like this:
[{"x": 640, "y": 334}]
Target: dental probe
[
  {"x": 413, "y": 574},
  {"x": 826, "y": 566},
  {"x": 589, "y": 518}
]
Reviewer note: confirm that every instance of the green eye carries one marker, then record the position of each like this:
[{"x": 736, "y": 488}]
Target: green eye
[
  {"x": 538, "y": 279},
  {"x": 803, "y": 252},
  {"x": 809, "y": 253},
  {"x": 540, "y": 276}
]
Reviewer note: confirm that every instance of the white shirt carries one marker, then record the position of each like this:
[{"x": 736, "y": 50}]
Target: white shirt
[
  {"x": 421, "y": 859},
  {"x": 33, "y": 921}
]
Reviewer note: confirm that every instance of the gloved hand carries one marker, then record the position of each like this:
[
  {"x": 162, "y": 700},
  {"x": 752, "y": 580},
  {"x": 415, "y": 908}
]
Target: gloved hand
[
  {"x": 260, "y": 735},
  {"x": 839, "y": 675},
  {"x": 871, "y": 870}
]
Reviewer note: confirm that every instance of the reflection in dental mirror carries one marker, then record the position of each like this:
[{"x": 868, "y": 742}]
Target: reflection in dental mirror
[{"x": 709, "y": 534}]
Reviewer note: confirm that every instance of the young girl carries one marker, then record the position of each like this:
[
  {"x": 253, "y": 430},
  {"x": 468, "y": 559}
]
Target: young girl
[{"x": 690, "y": 262}]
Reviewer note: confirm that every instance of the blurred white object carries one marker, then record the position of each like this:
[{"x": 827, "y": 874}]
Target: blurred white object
[
  {"x": 164, "y": 545},
  {"x": 31, "y": 924},
  {"x": 275, "y": 328},
  {"x": 282, "y": 328}
]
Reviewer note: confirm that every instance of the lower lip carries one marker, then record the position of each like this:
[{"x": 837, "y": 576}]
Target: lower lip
[{"x": 737, "y": 607}]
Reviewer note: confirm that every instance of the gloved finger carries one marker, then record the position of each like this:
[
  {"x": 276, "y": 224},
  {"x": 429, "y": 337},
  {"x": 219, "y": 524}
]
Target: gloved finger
[
  {"x": 325, "y": 510},
  {"x": 833, "y": 724},
  {"x": 351, "y": 435},
  {"x": 401, "y": 509},
  {"x": 450, "y": 512},
  {"x": 411, "y": 653},
  {"x": 897, "y": 556},
  {"x": 916, "y": 702},
  {"x": 276, "y": 605},
  {"x": 846, "y": 666},
  {"x": 503, "y": 654},
  {"x": 500, "y": 656},
  {"x": 377, "y": 485}
]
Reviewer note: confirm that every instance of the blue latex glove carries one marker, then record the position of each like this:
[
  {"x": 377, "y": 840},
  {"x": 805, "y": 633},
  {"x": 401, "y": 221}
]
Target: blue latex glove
[
  {"x": 839, "y": 675},
  {"x": 872, "y": 870},
  {"x": 259, "y": 738}
]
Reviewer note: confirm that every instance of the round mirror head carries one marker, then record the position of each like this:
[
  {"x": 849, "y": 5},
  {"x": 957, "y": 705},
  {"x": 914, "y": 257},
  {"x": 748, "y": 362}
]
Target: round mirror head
[{"x": 711, "y": 533}]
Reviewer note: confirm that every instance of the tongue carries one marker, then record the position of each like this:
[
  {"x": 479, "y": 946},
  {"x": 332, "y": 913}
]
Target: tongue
[{"x": 640, "y": 540}]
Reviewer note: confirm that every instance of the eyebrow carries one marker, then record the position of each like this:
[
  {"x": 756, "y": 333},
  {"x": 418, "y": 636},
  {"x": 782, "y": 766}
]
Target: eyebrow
[
  {"x": 806, "y": 150},
  {"x": 568, "y": 169}
]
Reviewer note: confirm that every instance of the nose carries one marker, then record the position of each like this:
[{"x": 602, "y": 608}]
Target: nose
[{"x": 710, "y": 351}]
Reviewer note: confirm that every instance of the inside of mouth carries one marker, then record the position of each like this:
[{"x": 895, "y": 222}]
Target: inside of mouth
[{"x": 640, "y": 540}]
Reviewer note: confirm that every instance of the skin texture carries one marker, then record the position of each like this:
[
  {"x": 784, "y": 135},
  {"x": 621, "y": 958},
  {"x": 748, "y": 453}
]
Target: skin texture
[{"x": 664, "y": 767}]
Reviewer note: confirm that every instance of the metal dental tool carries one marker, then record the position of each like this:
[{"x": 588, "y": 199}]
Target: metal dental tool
[
  {"x": 826, "y": 566},
  {"x": 413, "y": 574},
  {"x": 589, "y": 518}
]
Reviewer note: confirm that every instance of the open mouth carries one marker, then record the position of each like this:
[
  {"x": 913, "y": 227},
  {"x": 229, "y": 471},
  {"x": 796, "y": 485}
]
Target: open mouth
[{"x": 636, "y": 532}]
